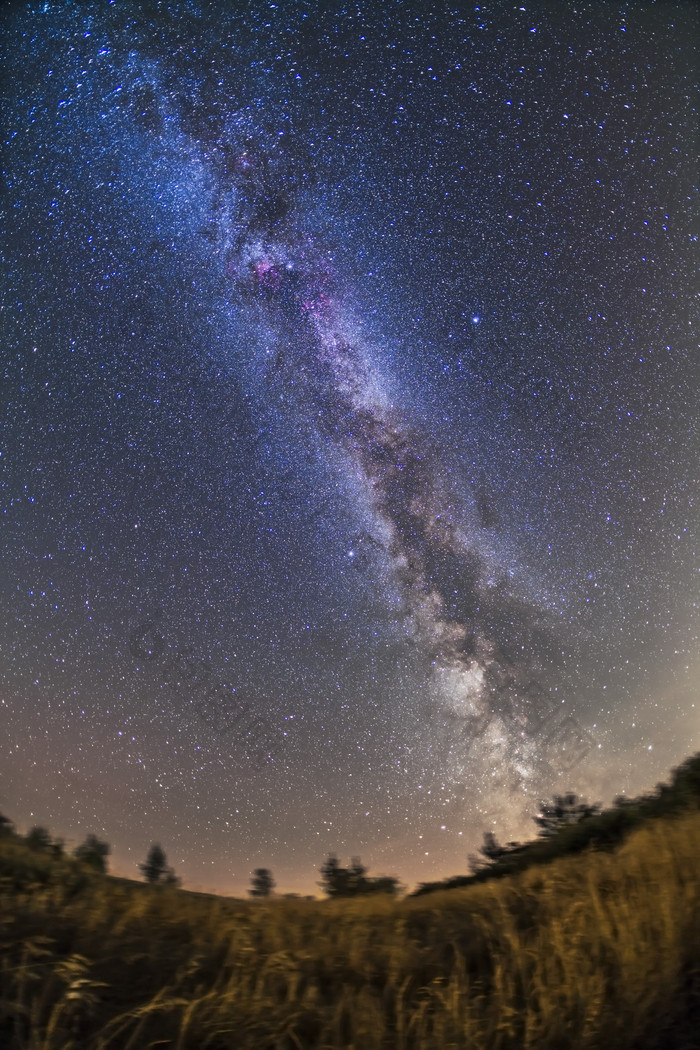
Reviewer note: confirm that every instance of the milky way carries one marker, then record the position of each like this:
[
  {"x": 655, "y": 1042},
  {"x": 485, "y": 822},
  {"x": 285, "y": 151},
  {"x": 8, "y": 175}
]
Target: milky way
[
  {"x": 349, "y": 476},
  {"x": 491, "y": 651}
]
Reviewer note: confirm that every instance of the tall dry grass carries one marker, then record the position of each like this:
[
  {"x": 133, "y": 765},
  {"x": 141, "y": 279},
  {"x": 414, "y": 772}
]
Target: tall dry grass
[{"x": 592, "y": 952}]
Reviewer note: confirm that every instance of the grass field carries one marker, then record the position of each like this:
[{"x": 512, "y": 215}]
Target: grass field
[{"x": 595, "y": 951}]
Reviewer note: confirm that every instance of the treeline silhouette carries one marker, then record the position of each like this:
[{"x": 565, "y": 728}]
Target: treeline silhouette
[
  {"x": 598, "y": 948},
  {"x": 45, "y": 852},
  {"x": 354, "y": 881},
  {"x": 566, "y": 825}
]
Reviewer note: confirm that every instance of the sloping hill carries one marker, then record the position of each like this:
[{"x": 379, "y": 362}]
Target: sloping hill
[{"x": 600, "y": 949}]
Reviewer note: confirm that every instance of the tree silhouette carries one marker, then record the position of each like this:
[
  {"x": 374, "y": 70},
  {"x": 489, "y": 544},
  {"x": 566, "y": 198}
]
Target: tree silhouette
[
  {"x": 155, "y": 870},
  {"x": 353, "y": 881},
  {"x": 491, "y": 852},
  {"x": 331, "y": 882},
  {"x": 357, "y": 876},
  {"x": 337, "y": 881},
  {"x": 93, "y": 852},
  {"x": 262, "y": 882},
  {"x": 39, "y": 839},
  {"x": 562, "y": 811},
  {"x": 6, "y": 825},
  {"x": 383, "y": 884}
]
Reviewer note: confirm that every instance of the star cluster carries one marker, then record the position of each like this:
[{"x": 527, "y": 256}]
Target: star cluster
[{"x": 350, "y": 457}]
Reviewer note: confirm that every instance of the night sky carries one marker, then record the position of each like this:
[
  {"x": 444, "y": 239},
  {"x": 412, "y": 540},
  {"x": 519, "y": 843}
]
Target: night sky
[{"x": 350, "y": 458}]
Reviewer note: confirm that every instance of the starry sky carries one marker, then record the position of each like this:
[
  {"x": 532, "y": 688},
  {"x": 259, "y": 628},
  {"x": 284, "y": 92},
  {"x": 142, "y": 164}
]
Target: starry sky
[{"x": 350, "y": 382}]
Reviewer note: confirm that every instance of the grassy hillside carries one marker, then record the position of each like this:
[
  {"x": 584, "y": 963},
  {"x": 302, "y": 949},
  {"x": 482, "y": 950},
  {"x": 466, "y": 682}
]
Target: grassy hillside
[
  {"x": 597, "y": 950},
  {"x": 580, "y": 827}
]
